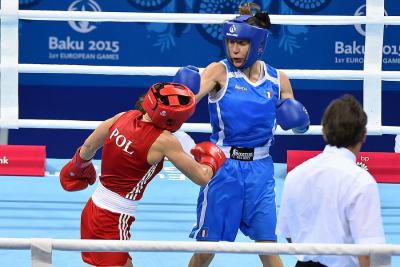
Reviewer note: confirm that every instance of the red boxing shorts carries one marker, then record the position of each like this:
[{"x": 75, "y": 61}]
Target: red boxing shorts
[{"x": 98, "y": 223}]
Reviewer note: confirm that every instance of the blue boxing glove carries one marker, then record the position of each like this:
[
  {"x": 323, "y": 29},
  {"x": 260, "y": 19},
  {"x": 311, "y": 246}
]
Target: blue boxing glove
[
  {"x": 188, "y": 76},
  {"x": 291, "y": 114}
]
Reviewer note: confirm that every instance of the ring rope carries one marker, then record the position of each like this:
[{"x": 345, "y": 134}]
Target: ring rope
[
  {"x": 41, "y": 248},
  {"x": 303, "y": 74},
  {"x": 197, "y": 18},
  {"x": 189, "y": 246},
  {"x": 187, "y": 127}
]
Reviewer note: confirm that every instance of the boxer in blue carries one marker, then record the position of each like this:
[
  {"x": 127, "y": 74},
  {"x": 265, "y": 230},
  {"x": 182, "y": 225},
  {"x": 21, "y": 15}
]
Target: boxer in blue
[{"x": 247, "y": 98}]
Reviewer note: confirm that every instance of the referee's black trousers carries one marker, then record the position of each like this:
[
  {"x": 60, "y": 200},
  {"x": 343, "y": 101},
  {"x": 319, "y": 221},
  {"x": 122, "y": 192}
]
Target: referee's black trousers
[{"x": 309, "y": 264}]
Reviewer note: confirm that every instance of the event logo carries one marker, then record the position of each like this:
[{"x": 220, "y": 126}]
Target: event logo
[
  {"x": 83, "y": 5},
  {"x": 352, "y": 52},
  {"x": 361, "y": 11},
  {"x": 79, "y": 48}
]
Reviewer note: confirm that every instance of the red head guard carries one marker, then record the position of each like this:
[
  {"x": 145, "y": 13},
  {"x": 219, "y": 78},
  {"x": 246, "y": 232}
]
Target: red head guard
[{"x": 169, "y": 105}]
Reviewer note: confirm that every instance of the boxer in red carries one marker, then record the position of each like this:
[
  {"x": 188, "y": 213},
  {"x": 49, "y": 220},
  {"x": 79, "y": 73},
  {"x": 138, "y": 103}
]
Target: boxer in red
[{"x": 134, "y": 148}]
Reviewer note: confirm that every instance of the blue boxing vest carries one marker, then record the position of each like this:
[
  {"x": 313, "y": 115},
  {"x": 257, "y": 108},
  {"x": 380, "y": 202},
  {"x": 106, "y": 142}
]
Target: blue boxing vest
[{"x": 242, "y": 113}]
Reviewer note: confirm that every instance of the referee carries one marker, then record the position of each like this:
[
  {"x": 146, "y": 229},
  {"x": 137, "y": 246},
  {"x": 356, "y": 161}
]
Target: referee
[{"x": 328, "y": 198}]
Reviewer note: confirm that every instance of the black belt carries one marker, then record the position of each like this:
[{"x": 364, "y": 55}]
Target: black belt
[{"x": 242, "y": 153}]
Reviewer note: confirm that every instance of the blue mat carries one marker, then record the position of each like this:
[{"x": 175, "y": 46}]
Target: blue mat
[{"x": 33, "y": 207}]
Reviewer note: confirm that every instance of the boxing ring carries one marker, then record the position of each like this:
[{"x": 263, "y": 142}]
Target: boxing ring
[
  {"x": 42, "y": 209},
  {"x": 44, "y": 248}
]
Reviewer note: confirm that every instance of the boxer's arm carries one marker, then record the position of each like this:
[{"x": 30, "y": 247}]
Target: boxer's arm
[
  {"x": 365, "y": 261},
  {"x": 286, "y": 87},
  {"x": 213, "y": 76},
  {"x": 169, "y": 146},
  {"x": 293, "y": 116},
  {"x": 185, "y": 140},
  {"x": 97, "y": 138},
  {"x": 79, "y": 172}
]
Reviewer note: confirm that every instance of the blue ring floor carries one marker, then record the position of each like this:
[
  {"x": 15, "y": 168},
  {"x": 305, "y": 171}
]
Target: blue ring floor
[{"x": 37, "y": 207}]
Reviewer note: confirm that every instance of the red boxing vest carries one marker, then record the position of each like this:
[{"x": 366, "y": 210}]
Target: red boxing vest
[{"x": 124, "y": 167}]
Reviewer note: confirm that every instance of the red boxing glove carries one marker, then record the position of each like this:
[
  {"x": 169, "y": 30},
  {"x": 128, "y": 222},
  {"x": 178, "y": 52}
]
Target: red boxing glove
[
  {"x": 77, "y": 174},
  {"x": 210, "y": 154}
]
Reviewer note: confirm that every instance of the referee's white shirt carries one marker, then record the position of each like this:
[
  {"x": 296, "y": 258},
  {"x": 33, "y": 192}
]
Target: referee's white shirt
[{"x": 329, "y": 199}]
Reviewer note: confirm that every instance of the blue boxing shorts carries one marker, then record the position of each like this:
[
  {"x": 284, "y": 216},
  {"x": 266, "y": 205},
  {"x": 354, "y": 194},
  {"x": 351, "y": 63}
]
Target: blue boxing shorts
[{"x": 240, "y": 196}]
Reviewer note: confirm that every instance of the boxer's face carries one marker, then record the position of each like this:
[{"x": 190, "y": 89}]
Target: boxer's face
[{"x": 238, "y": 50}]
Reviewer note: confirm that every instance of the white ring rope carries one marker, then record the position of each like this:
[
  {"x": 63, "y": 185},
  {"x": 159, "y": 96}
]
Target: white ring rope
[
  {"x": 187, "y": 127},
  {"x": 303, "y": 74},
  {"x": 188, "y": 246},
  {"x": 198, "y": 18},
  {"x": 41, "y": 248}
]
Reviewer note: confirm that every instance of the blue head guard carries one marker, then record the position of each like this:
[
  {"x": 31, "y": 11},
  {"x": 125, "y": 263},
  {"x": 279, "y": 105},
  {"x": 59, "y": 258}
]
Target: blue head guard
[{"x": 238, "y": 29}]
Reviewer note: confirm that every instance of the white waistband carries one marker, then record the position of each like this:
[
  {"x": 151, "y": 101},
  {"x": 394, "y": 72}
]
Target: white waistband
[
  {"x": 111, "y": 201},
  {"x": 259, "y": 152}
]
